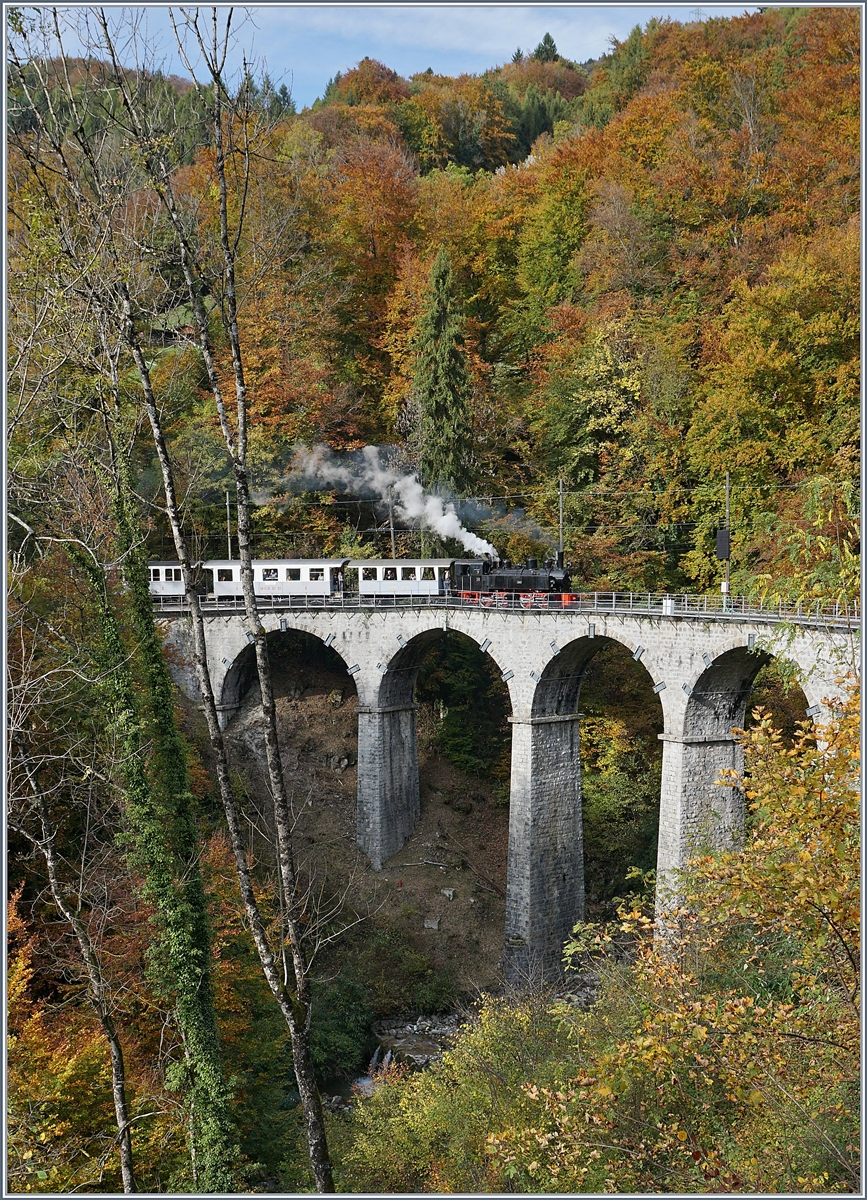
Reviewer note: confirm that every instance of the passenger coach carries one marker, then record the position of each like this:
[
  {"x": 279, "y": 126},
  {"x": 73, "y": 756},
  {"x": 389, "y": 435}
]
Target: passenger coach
[
  {"x": 278, "y": 577},
  {"x": 379, "y": 577}
]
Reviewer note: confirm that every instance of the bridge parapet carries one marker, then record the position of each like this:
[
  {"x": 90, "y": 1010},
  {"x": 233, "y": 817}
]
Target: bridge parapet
[{"x": 716, "y": 607}]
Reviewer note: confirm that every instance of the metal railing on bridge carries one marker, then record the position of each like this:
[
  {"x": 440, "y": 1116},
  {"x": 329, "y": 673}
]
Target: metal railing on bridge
[{"x": 716, "y": 607}]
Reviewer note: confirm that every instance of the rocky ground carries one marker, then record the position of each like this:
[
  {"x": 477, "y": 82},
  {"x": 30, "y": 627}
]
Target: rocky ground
[{"x": 445, "y": 890}]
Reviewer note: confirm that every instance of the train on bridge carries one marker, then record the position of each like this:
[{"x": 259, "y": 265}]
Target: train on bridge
[{"x": 486, "y": 581}]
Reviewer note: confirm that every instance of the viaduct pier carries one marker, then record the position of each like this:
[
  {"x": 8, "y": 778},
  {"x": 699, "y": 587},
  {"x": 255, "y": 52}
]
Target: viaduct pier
[{"x": 701, "y": 661}]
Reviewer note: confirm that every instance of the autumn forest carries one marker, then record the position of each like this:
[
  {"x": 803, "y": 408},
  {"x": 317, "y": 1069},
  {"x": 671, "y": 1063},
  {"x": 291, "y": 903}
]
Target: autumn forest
[{"x": 612, "y": 286}]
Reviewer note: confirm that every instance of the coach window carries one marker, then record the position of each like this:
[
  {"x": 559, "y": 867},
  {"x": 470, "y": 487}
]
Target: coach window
[
  {"x": 407, "y": 572},
  {"x": 155, "y": 573},
  {"x": 427, "y": 573},
  {"x": 225, "y": 575},
  {"x": 269, "y": 574},
  {"x": 389, "y": 572},
  {"x": 317, "y": 573},
  {"x": 179, "y": 575},
  {"x": 368, "y": 573},
  {"x": 293, "y": 572}
]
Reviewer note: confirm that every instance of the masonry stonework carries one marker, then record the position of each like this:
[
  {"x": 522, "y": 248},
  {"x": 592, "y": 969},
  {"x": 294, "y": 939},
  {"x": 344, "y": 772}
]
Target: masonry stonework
[
  {"x": 545, "y": 881},
  {"x": 701, "y": 667},
  {"x": 388, "y": 792}
]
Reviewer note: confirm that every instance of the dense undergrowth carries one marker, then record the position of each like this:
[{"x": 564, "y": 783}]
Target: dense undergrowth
[{"x": 722, "y": 1056}]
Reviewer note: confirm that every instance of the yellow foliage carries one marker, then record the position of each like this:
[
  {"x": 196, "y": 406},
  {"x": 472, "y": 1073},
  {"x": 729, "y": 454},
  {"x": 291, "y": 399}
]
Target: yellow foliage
[{"x": 726, "y": 1056}]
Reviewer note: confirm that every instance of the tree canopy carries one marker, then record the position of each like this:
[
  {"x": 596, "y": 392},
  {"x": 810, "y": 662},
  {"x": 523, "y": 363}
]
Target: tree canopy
[{"x": 638, "y": 277}]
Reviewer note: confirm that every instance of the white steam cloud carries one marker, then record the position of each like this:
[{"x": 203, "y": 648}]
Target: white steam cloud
[{"x": 365, "y": 475}]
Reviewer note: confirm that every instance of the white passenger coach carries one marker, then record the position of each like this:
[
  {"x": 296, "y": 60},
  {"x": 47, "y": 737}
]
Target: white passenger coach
[
  {"x": 278, "y": 577},
  {"x": 402, "y": 577},
  {"x": 166, "y": 579},
  {"x": 371, "y": 577}
]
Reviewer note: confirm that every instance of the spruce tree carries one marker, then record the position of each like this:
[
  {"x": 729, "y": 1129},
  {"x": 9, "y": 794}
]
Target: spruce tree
[
  {"x": 546, "y": 51},
  {"x": 442, "y": 386}
]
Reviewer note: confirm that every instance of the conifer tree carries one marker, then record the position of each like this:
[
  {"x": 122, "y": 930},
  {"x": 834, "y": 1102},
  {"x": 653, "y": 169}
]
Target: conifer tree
[
  {"x": 442, "y": 386},
  {"x": 546, "y": 51}
]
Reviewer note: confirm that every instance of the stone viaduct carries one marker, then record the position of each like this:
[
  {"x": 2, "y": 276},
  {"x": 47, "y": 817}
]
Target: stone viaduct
[{"x": 701, "y": 664}]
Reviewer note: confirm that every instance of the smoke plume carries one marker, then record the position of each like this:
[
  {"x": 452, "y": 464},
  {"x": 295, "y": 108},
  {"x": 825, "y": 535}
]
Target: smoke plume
[{"x": 363, "y": 474}]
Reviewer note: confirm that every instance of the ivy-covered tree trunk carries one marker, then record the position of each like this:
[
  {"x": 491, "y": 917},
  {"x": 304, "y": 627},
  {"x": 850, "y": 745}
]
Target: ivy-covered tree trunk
[
  {"x": 164, "y": 846},
  {"x": 442, "y": 387},
  {"x": 176, "y": 882}
]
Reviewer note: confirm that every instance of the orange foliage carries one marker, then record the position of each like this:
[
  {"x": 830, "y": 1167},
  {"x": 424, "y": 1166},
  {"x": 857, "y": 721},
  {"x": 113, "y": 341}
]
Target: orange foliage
[
  {"x": 371, "y": 82},
  {"x": 556, "y": 76}
]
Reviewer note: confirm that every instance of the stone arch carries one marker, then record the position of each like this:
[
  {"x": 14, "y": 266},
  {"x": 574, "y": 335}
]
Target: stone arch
[
  {"x": 401, "y": 671},
  {"x": 697, "y": 813},
  {"x": 389, "y": 801},
  {"x": 718, "y": 699},
  {"x": 558, "y": 689},
  {"x": 239, "y": 678},
  {"x": 241, "y": 673},
  {"x": 397, "y": 685},
  {"x": 817, "y": 664},
  {"x": 716, "y": 704}
]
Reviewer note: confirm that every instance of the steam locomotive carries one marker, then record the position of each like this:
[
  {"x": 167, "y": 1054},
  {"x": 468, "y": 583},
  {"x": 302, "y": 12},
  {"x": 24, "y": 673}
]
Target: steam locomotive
[
  {"x": 488, "y": 577},
  {"x": 484, "y": 580}
]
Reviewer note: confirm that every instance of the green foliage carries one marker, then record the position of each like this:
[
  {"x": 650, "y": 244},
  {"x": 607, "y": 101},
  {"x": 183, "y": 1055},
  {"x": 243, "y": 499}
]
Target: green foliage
[
  {"x": 552, "y": 234},
  {"x": 546, "y": 51},
  {"x": 465, "y": 690},
  {"x": 255, "y": 1041},
  {"x": 820, "y": 546},
  {"x": 341, "y": 1039},
  {"x": 398, "y": 977},
  {"x": 618, "y": 78},
  {"x": 791, "y": 341},
  {"x": 98, "y": 104},
  {"x": 620, "y": 774},
  {"x": 589, "y": 404},
  {"x": 532, "y": 107},
  {"x": 620, "y": 810},
  {"x": 428, "y": 1131},
  {"x": 442, "y": 386}
]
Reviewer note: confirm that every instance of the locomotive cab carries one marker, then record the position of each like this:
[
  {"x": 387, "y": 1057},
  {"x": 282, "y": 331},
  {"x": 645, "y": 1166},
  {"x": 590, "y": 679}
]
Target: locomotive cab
[{"x": 469, "y": 572}]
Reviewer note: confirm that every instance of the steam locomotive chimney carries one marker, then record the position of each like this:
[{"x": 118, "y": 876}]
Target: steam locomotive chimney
[
  {"x": 559, "y": 560},
  {"x": 531, "y": 564}
]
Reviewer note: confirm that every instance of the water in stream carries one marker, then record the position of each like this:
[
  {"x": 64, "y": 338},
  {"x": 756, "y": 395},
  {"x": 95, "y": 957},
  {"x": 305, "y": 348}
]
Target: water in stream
[{"x": 417, "y": 1043}]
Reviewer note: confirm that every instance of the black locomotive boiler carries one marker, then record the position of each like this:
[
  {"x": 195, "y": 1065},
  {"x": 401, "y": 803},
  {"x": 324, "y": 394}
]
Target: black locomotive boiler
[{"x": 491, "y": 578}]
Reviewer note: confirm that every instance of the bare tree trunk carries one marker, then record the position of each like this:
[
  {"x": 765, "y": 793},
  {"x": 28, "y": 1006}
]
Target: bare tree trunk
[
  {"x": 299, "y": 1013},
  {"x": 295, "y": 1002},
  {"x": 95, "y": 270},
  {"x": 105, "y": 278}
]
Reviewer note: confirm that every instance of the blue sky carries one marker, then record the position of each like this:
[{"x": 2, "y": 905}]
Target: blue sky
[{"x": 304, "y": 45}]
